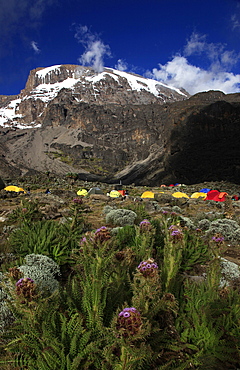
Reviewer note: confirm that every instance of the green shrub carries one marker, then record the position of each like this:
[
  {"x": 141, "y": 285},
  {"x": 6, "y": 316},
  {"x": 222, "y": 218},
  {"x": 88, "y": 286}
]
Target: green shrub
[{"x": 46, "y": 237}]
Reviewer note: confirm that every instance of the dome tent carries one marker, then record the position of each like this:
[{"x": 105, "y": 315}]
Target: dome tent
[
  {"x": 82, "y": 192},
  {"x": 95, "y": 190},
  {"x": 199, "y": 194},
  {"x": 148, "y": 194},
  {"x": 14, "y": 188},
  {"x": 179, "y": 194}
]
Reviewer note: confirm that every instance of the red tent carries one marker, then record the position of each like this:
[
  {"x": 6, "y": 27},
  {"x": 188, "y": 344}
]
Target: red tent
[
  {"x": 216, "y": 195},
  {"x": 122, "y": 192}
]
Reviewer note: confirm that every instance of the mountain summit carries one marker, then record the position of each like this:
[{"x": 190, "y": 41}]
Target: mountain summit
[{"x": 84, "y": 85}]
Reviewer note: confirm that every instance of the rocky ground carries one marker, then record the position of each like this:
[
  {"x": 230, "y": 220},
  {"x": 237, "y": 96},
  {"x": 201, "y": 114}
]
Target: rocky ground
[{"x": 57, "y": 204}]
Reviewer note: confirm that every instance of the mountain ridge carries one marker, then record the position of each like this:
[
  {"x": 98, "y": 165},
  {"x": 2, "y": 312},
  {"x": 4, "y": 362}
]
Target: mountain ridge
[
  {"x": 86, "y": 85},
  {"x": 113, "y": 126}
]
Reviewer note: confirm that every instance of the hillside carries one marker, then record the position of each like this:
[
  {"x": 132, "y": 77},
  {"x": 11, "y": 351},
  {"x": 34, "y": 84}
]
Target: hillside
[{"x": 116, "y": 126}]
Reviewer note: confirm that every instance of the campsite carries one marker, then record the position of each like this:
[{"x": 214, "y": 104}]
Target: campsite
[{"x": 114, "y": 276}]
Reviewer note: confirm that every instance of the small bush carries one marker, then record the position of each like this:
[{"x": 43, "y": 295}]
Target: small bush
[
  {"x": 43, "y": 270},
  {"x": 121, "y": 217},
  {"x": 204, "y": 224},
  {"x": 229, "y": 229}
]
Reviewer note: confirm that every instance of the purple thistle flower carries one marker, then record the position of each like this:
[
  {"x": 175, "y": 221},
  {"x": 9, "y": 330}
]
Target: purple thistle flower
[
  {"x": 102, "y": 235},
  {"x": 148, "y": 268},
  {"x": 132, "y": 309},
  {"x": 129, "y": 322},
  {"x": 218, "y": 239},
  {"x": 83, "y": 241},
  {"x": 145, "y": 225},
  {"x": 102, "y": 228},
  {"x": 23, "y": 280},
  {"x": 175, "y": 232},
  {"x": 144, "y": 222}
]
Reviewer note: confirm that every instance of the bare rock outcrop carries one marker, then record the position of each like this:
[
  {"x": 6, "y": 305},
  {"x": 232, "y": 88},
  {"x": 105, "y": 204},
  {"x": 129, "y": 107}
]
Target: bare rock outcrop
[{"x": 114, "y": 126}]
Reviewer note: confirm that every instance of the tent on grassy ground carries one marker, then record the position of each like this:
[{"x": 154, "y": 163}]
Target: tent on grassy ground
[
  {"x": 199, "y": 195},
  {"x": 14, "y": 188},
  {"x": 211, "y": 194},
  {"x": 204, "y": 190},
  {"x": 179, "y": 194},
  {"x": 216, "y": 195},
  {"x": 122, "y": 192},
  {"x": 95, "y": 190},
  {"x": 148, "y": 194},
  {"x": 82, "y": 192},
  {"x": 114, "y": 194}
]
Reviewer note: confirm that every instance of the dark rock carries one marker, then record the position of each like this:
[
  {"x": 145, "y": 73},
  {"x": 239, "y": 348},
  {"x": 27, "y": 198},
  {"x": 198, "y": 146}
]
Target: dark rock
[{"x": 123, "y": 135}]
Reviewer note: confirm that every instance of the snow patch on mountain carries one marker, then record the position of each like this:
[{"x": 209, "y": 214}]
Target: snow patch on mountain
[
  {"x": 9, "y": 113},
  {"x": 46, "y": 89},
  {"x": 43, "y": 72},
  {"x": 47, "y": 92}
]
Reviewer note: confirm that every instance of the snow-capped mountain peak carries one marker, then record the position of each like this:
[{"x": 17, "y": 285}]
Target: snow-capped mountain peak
[{"x": 85, "y": 85}]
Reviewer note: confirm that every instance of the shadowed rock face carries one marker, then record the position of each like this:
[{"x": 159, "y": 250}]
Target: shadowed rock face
[{"x": 189, "y": 141}]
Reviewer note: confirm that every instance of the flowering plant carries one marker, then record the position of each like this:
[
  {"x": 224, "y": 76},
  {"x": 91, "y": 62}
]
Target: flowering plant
[
  {"x": 101, "y": 235},
  {"x": 148, "y": 268},
  {"x": 176, "y": 233},
  {"x": 129, "y": 321},
  {"x": 145, "y": 225},
  {"x": 25, "y": 287}
]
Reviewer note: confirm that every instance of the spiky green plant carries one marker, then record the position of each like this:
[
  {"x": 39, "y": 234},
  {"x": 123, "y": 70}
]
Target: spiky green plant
[
  {"x": 207, "y": 322},
  {"x": 51, "y": 335},
  {"x": 172, "y": 258},
  {"x": 195, "y": 251},
  {"x": 96, "y": 269},
  {"x": 28, "y": 212},
  {"x": 45, "y": 237}
]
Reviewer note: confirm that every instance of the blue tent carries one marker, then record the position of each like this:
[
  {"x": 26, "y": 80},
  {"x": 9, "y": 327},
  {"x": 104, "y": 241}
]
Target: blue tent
[{"x": 205, "y": 190}]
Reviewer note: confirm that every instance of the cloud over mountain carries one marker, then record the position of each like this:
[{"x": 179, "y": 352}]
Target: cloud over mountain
[
  {"x": 181, "y": 72},
  {"x": 95, "y": 49}
]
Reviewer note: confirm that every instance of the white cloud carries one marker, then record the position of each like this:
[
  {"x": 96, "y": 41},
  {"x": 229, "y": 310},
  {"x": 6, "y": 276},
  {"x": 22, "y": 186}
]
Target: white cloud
[
  {"x": 95, "y": 49},
  {"x": 18, "y": 20},
  {"x": 179, "y": 72},
  {"x": 121, "y": 65},
  {"x": 235, "y": 22},
  {"x": 35, "y": 47}
]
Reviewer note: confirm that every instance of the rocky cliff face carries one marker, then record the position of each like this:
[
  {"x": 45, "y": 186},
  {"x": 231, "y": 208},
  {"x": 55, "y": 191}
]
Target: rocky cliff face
[
  {"x": 84, "y": 85},
  {"x": 115, "y": 126}
]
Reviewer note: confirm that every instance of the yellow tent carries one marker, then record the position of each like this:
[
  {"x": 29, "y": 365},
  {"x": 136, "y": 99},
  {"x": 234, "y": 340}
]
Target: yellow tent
[
  {"x": 114, "y": 194},
  {"x": 14, "y": 188},
  {"x": 148, "y": 194},
  {"x": 199, "y": 195},
  {"x": 82, "y": 192},
  {"x": 179, "y": 194}
]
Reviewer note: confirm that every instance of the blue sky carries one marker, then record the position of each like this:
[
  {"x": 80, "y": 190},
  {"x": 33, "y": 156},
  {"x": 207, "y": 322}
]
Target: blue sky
[{"x": 194, "y": 44}]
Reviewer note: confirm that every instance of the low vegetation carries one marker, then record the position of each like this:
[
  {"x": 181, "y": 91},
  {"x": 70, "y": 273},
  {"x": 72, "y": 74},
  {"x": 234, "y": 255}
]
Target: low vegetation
[{"x": 142, "y": 290}]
